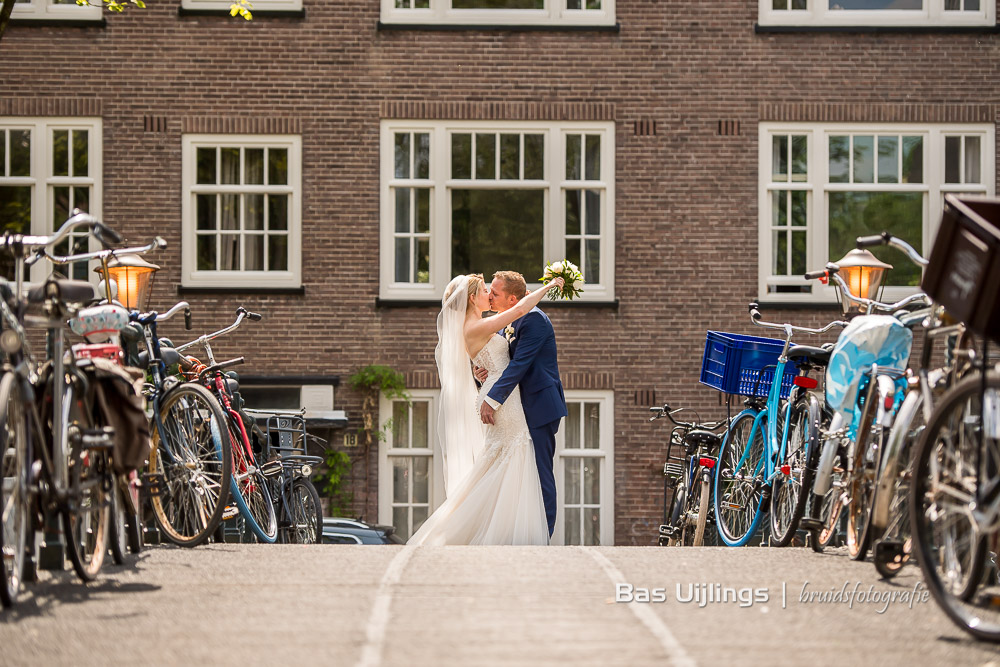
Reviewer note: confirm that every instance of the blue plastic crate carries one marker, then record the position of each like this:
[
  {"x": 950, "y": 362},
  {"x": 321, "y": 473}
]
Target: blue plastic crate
[{"x": 733, "y": 363}]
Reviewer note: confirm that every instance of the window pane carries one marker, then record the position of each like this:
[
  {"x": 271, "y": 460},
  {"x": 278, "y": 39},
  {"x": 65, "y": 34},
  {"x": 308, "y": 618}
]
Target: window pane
[
  {"x": 81, "y": 154},
  {"x": 779, "y": 208},
  {"x": 798, "y": 253},
  {"x": 593, "y": 4},
  {"x": 402, "y": 210},
  {"x": 403, "y": 260},
  {"x": 952, "y": 159},
  {"x": 780, "y": 267},
  {"x": 972, "y": 160},
  {"x": 592, "y": 425},
  {"x": 486, "y": 156},
  {"x": 800, "y": 158},
  {"x": 422, "y": 260},
  {"x": 400, "y": 479},
  {"x": 206, "y": 252},
  {"x": 534, "y": 157},
  {"x": 20, "y": 152},
  {"x": 253, "y": 168},
  {"x": 422, "y": 159},
  {"x": 498, "y": 4},
  {"x": 879, "y": 5},
  {"x": 461, "y": 156},
  {"x": 421, "y": 488},
  {"x": 277, "y": 166},
  {"x": 401, "y": 520},
  {"x": 572, "y": 526},
  {"x": 593, "y": 157},
  {"x": 913, "y": 159},
  {"x": 839, "y": 159},
  {"x": 230, "y": 252},
  {"x": 573, "y": 250},
  {"x": 254, "y": 218},
  {"x": 230, "y": 167},
  {"x": 60, "y": 209},
  {"x": 423, "y": 210},
  {"x": 277, "y": 211},
  {"x": 574, "y": 157},
  {"x": 573, "y": 4},
  {"x": 402, "y": 155},
  {"x": 400, "y": 424},
  {"x": 800, "y": 210},
  {"x": 854, "y": 214},
  {"x": 592, "y": 480},
  {"x": 864, "y": 159},
  {"x": 206, "y": 165},
  {"x": 60, "y": 152},
  {"x": 277, "y": 252},
  {"x": 419, "y": 410},
  {"x": 15, "y": 217},
  {"x": 495, "y": 230},
  {"x": 205, "y": 211},
  {"x": 888, "y": 159},
  {"x": 253, "y": 249},
  {"x": 573, "y": 425},
  {"x": 592, "y": 271},
  {"x": 573, "y": 212},
  {"x": 419, "y": 516},
  {"x": 593, "y": 211},
  {"x": 972, "y": 5},
  {"x": 510, "y": 156},
  {"x": 591, "y": 526},
  {"x": 779, "y": 158},
  {"x": 230, "y": 212},
  {"x": 571, "y": 481}
]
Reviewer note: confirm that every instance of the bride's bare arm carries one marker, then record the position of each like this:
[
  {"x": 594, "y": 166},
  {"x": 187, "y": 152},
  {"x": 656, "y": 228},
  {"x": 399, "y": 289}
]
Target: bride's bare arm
[{"x": 490, "y": 325}]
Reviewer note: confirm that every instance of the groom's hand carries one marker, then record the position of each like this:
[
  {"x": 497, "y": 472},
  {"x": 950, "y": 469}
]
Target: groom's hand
[{"x": 487, "y": 412}]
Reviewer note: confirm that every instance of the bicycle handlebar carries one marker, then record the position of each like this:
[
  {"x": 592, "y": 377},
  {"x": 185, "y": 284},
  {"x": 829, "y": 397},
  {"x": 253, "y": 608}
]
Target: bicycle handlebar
[
  {"x": 665, "y": 411},
  {"x": 789, "y": 328},
  {"x": 28, "y": 242},
  {"x": 156, "y": 244},
  {"x": 241, "y": 313},
  {"x": 885, "y": 238},
  {"x": 153, "y": 316}
]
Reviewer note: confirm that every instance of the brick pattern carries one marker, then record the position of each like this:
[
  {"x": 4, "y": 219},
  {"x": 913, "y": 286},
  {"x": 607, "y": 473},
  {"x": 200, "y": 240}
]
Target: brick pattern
[{"x": 686, "y": 196}]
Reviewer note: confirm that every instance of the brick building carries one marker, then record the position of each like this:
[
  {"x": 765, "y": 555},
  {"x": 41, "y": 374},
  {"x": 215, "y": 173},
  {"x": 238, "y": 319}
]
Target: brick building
[{"x": 333, "y": 164}]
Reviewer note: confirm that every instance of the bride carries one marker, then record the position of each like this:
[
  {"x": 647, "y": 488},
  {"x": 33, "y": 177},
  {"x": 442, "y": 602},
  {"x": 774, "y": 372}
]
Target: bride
[{"x": 491, "y": 480}]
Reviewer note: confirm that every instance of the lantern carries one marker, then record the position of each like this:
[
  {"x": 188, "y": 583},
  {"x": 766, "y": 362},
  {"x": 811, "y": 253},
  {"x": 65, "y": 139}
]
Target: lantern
[
  {"x": 863, "y": 272},
  {"x": 134, "y": 278}
]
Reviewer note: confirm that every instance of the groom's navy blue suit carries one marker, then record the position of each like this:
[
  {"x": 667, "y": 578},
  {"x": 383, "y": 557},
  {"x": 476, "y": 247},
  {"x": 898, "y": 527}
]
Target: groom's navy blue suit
[{"x": 533, "y": 366}]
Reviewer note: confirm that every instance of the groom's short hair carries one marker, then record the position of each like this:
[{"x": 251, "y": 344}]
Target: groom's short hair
[{"x": 513, "y": 283}]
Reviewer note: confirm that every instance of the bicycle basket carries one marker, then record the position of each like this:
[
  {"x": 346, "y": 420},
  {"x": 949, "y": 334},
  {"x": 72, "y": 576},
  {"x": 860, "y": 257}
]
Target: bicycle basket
[{"x": 733, "y": 363}]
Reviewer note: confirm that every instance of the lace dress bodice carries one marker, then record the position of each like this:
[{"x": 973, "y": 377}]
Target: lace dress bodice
[{"x": 509, "y": 428}]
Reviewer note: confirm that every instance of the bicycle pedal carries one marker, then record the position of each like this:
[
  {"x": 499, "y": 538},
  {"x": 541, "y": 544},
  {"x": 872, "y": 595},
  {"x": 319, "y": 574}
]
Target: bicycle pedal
[
  {"x": 231, "y": 512},
  {"x": 889, "y": 551},
  {"x": 152, "y": 485},
  {"x": 97, "y": 438},
  {"x": 271, "y": 468},
  {"x": 807, "y": 523},
  {"x": 667, "y": 531}
]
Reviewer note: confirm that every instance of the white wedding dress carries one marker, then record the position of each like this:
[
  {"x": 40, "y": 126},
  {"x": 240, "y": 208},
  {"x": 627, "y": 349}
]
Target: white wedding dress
[{"x": 499, "y": 501}]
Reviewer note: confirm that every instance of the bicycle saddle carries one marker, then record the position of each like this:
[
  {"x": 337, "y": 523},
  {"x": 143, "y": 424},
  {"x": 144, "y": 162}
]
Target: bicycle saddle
[
  {"x": 703, "y": 438},
  {"x": 817, "y": 355},
  {"x": 68, "y": 291},
  {"x": 169, "y": 355}
]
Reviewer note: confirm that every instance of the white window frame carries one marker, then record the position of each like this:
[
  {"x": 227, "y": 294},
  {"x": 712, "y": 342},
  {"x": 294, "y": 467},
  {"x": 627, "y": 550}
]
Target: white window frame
[
  {"x": 933, "y": 13},
  {"x": 818, "y": 187},
  {"x": 46, "y": 10},
  {"x": 606, "y": 452},
  {"x": 387, "y": 450},
  {"x": 257, "y": 5},
  {"x": 43, "y": 180},
  {"x": 441, "y": 184},
  {"x": 190, "y": 275},
  {"x": 555, "y": 13}
]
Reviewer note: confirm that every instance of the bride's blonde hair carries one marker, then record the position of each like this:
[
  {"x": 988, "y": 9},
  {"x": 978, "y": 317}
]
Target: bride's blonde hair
[{"x": 475, "y": 280}]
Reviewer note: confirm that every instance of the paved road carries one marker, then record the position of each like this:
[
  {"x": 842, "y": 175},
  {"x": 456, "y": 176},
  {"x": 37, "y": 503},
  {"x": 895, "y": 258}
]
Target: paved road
[{"x": 354, "y": 605}]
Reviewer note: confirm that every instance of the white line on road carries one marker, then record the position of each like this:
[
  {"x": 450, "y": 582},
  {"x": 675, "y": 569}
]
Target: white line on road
[
  {"x": 675, "y": 652},
  {"x": 371, "y": 652}
]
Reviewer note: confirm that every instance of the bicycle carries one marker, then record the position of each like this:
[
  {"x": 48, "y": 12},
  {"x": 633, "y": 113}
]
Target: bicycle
[{"x": 690, "y": 476}]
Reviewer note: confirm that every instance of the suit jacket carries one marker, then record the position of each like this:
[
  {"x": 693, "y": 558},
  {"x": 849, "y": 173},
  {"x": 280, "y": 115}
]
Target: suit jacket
[{"x": 533, "y": 366}]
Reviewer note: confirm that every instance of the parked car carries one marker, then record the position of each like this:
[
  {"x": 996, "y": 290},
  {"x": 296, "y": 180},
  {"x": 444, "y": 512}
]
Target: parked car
[{"x": 338, "y": 530}]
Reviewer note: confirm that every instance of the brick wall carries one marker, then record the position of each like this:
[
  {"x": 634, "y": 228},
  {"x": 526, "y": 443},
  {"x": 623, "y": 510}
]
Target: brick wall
[{"x": 686, "y": 84}]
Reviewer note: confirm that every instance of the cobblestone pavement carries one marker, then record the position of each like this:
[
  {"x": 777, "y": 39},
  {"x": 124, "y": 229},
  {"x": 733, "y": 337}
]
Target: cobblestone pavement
[{"x": 392, "y": 605}]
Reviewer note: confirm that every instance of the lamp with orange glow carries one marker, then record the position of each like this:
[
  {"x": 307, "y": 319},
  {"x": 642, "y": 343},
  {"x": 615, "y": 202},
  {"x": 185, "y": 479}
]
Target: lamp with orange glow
[
  {"x": 863, "y": 272},
  {"x": 134, "y": 279}
]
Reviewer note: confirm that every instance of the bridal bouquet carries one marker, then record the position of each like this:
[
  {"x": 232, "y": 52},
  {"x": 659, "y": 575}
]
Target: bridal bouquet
[{"x": 570, "y": 273}]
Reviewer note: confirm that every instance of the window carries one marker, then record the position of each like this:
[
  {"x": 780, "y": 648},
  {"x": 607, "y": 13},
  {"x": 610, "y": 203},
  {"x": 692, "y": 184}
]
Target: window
[
  {"x": 256, "y": 5},
  {"x": 241, "y": 211},
  {"x": 48, "y": 167},
  {"x": 55, "y": 10},
  {"x": 411, "y": 481},
  {"x": 470, "y": 197},
  {"x": 584, "y": 470},
  {"x": 822, "y": 186},
  {"x": 500, "y": 12},
  {"x": 901, "y": 13}
]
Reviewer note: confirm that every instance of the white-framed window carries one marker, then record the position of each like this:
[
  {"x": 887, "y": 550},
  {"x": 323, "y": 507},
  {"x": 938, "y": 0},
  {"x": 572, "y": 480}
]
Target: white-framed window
[
  {"x": 257, "y": 5},
  {"x": 476, "y": 197},
  {"x": 241, "y": 211},
  {"x": 887, "y": 13},
  {"x": 823, "y": 185},
  {"x": 411, "y": 479},
  {"x": 500, "y": 12},
  {"x": 584, "y": 470},
  {"x": 48, "y": 167},
  {"x": 56, "y": 10}
]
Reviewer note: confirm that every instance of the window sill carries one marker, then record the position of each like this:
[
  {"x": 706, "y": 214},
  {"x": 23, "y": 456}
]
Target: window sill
[
  {"x": 547, "y": 27},
  {"x": 291, "y": 291},
  {"x": 60, "y": 23},
  {"x": 436, "y": 303},
  {"x": 917, "y": 29},
  {"x": 262, "y": 13}
]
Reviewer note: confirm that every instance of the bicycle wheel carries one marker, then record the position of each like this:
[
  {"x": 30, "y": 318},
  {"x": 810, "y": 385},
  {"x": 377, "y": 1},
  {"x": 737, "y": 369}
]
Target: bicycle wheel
[
  {"x": 118, "y": 542},
  {"x": 249, "y": 487},
  {"x": 86, "y": 517},
  {"x": 861, "y": 480},
  {"x": 739, "y": 492},
  {"x": 194, "y": 460},
  {"x": 703, "y": 491},
  {"x": 788, "y": 493},
  {"x": 14, "y": 498},
  {"x": 306, "y": 512},
  {"x": 952, "y": 527}
]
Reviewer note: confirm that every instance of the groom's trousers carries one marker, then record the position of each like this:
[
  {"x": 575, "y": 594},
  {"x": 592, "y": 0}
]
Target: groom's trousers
[{"x": 544, "y": 440}]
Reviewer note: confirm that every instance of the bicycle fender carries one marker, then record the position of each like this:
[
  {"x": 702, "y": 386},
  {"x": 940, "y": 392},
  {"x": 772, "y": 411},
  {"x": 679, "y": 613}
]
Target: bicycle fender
[
  {"x": 891, "y": 458},
  {"x": 887, "y": 389}
]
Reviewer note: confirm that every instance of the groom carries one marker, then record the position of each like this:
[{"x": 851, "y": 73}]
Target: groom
[{"x": 532, "y": 366}]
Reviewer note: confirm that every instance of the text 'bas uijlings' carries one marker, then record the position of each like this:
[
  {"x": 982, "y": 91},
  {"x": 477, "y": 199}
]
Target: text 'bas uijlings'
[{"x": 700, "y": 594}]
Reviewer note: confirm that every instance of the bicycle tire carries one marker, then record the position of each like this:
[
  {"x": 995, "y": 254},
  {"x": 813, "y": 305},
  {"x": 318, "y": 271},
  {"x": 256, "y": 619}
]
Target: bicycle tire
[
  {"x": 14, "y": 496},
  {"x": 250, "y": 489},
  {"x": 306, "y": 512},
  {"x": 118, "y": 538},
  {"x": 732, "y": 499},
  {"x": 704, "y": 494},
  {"x": 948, "y": 448},
  {"x": 196, "y": 478},
  {"x": 788, "y": 495}
]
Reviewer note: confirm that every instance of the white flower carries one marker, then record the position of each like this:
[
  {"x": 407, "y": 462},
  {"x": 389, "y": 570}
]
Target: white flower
[
  {"x": 573, "y": 267},
  {"x": 556, "y": 267},
  {"x": 577, "y": 285}
]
